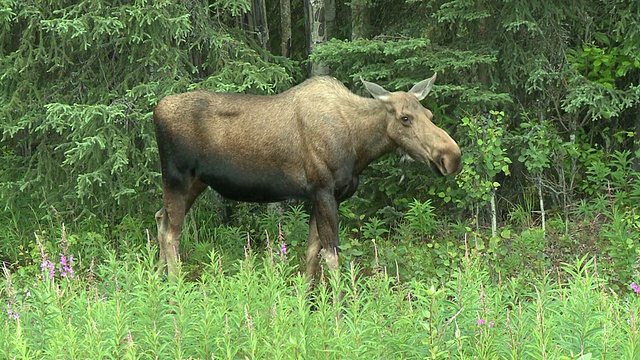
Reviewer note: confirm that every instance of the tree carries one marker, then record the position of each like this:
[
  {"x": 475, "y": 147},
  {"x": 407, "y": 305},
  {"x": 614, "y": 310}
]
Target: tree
[
  {"x": 359, "y": 19},
  {"x": 86, "y": 144},
  {"x": 79, "y": 82},
  {"x": 285, "y": 25},
  {"x": 256, "y": 23},
  {"x": 568, "y": 65},
  {"x": 320, "y": 20}
]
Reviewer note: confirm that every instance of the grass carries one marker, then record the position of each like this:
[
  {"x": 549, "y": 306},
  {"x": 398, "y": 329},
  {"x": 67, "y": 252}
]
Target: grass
[{"x": 260, "y": 307}]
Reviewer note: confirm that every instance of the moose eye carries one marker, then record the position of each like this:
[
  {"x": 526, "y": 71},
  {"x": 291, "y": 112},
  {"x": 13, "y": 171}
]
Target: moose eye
[{"x": 406, "y": 120}]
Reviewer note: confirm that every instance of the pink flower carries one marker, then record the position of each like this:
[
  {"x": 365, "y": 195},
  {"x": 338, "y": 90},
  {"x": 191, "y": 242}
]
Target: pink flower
[
  {"x": 481, "y": 322},
  {"x": 66, "y": 268},
  {"x": 635, "y": 287},
  {"x": 283, "y": 249},
  {"x": 48, "y": 269},
  {"x": 12, "y": 313}
]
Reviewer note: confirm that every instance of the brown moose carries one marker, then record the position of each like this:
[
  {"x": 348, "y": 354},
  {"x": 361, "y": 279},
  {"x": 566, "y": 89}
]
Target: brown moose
[{"x": 310, "y": 142}]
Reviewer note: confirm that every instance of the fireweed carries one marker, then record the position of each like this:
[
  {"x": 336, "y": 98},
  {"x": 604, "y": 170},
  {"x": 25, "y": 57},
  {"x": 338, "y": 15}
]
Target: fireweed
[
  {"x": 12, "y": 311},
  {"x": 65, "y": 265},
  {"x": 283, "y": 244}
]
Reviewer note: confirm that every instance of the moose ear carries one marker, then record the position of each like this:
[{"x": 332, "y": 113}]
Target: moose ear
[
  {"x": 375, "y": 90},
  {"x": 422, "y": 89}
]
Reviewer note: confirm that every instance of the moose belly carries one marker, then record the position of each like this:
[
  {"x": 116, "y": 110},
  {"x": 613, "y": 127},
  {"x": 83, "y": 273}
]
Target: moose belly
[{"x": 257, "y": 184}]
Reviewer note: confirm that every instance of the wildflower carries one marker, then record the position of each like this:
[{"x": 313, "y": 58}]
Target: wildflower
[
  {"x": 47, "y": 268},
  {"x": 12, "y": 313},
  {"x": 66, "y": 268},
  {"x": 484, "y": 322},
  {"x": 283, "y": 243},
  {"x": 283, "y": 249},
  {"x": 635, "y": 287}
]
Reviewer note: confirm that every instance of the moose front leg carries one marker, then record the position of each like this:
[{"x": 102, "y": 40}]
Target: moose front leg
[{"x": 326, "y": 212}]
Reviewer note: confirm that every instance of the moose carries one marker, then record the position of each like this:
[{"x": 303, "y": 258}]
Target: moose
[{"x": 310, "y": 142}]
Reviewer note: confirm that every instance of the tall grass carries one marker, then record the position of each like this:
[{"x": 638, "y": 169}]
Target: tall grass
[{"x": 262, "y": 308}]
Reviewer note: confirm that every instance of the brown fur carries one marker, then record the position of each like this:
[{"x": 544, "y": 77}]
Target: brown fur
[{"x": 310, "y": 142}]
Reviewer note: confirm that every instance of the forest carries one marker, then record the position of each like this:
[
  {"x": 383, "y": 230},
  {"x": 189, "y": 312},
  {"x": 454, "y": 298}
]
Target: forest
[{"x": 532, "y": 251}]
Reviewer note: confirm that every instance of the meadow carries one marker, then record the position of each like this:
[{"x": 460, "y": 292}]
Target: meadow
[{"x": 259, "y": 306}]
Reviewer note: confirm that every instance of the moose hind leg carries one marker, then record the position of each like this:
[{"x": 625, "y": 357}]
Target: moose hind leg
[
  {"x": 170, "y": 220},
  {"x": 162, "y": 225},
  {"x": 313, "y": 248},
  {"x": 172, "y": 223}
]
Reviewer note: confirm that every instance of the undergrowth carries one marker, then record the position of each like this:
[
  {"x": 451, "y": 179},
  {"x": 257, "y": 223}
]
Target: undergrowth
[{"x": 260, "y": 306}]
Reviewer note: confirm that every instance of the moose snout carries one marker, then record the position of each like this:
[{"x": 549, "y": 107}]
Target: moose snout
[{"x": 449, "y": 161}]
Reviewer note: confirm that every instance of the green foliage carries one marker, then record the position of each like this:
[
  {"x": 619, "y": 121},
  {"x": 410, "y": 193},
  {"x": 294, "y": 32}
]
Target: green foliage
[
  {"x": 536, "y": 145},
  {"x": 602, "y": 65},
  {"x": 374, "y": 229},
  {"x": 421, "y": 219},
  {"x": 600, "y": 100},
  {"x": 623, "y": 242},
  {"x": 79, "y": 82},
  {"x": 413, "y": 60},
  {"x": 611, "y": 173},
  {"x": 260, "y": 307},
  {"x": 485, "y": 158}
]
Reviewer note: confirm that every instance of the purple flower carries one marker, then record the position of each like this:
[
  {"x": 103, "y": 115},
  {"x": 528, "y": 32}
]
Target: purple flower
[
  {"x": 66, "y": 268},
  {"x": 48, "y": 269},
  {"x": 283, "y": 249},
  {"x": 481, "y": 322},
  {"x": 15, "y": 316},
  {"x": 11, "y": 313},
  {"x": 491, "y": 324},
  {"x": 635, "y": 287}
]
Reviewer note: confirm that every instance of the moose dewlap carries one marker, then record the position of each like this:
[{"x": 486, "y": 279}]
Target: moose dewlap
[{"x": 310, "y": 142}]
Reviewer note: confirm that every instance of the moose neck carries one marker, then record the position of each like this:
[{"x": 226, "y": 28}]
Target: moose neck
[{"x": 370, "y": 132}]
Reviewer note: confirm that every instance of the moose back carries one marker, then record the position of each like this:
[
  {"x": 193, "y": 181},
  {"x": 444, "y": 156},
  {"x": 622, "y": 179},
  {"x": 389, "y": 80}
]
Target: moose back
[{"x": 310, "y": 142}]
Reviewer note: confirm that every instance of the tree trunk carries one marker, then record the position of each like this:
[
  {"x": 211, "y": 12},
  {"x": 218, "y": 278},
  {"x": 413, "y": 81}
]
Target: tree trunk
[
  {"x": 255, "y": 22},
  {"x": 483, "y": 68},
  {"x": 315, "y": 20},
  {"x": 542, "y": 213},
  {"x": 261, "y": 28},
  {"x": 359, "y": 19},
  {"x": 330, "y": 19},
  {"x": 285, "y": 27},
  {"x": 636, "y": 147},
  {"x": 494, "y": 213}
]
